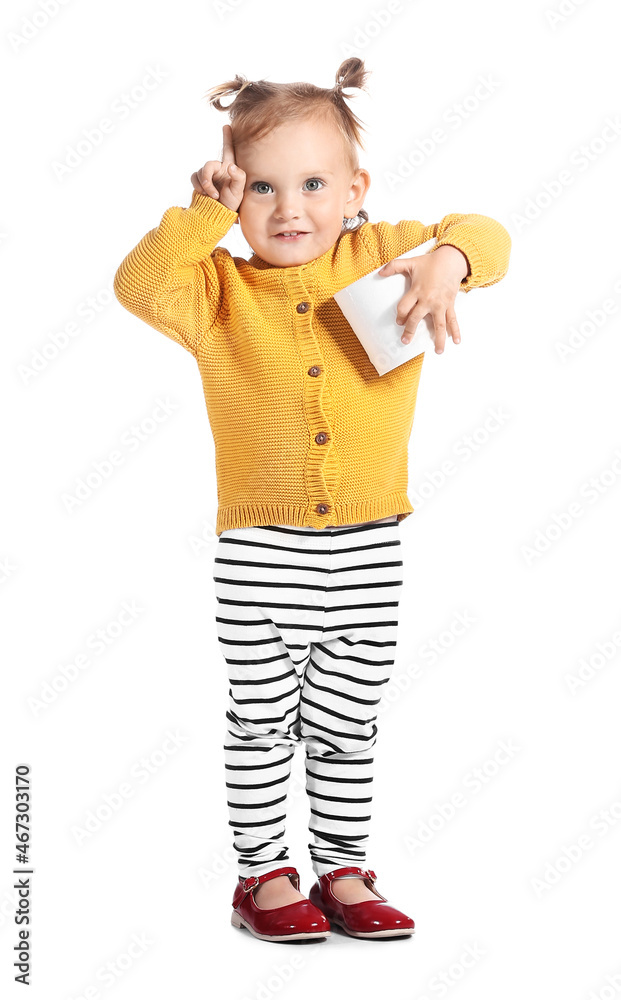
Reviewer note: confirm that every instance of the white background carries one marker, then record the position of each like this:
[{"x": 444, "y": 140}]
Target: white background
[{"x": 505, "y": 874}]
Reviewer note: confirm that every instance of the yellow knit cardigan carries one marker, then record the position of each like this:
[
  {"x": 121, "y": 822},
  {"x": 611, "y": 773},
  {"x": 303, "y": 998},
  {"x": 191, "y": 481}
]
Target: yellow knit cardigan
[{"x": 306, "y": 432}]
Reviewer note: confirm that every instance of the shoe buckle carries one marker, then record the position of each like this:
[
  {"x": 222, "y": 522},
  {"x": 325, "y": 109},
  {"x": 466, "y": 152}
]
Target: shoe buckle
[
  {"x": 250, "y": 883},
  {"x": 371, "y": 874}
]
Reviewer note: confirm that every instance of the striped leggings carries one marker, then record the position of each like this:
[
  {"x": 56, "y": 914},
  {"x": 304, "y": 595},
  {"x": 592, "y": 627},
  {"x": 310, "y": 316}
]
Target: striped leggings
[{"x": 307, "y": 622}]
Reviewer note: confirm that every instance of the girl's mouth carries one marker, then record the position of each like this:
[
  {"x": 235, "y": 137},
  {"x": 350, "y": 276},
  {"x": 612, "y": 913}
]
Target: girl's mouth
[{"x": 290, "y": 237}]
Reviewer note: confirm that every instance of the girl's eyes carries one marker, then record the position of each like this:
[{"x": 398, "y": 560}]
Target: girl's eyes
[{"x": 257, "y": 185}]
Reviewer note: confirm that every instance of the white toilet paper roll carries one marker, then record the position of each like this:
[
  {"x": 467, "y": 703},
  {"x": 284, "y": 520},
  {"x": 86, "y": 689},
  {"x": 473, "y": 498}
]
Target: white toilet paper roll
[{"x": 370, "y": 307}]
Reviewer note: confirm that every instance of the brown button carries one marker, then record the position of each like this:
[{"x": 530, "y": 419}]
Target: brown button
[
  {"x": 314, "y": 371},
  {"x": 321, "y": 438},
  {"x": 303, "y": 307},
  {"x": 322, "y": 508}
]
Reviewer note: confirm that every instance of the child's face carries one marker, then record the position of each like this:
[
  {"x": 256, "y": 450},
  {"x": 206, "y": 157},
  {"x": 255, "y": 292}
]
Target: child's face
[{"x": 297, "y": 180}]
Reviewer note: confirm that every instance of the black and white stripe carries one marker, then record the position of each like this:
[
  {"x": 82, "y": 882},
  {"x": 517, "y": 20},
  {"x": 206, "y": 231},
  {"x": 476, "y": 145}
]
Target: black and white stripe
[{"x": 307, "y": 622}]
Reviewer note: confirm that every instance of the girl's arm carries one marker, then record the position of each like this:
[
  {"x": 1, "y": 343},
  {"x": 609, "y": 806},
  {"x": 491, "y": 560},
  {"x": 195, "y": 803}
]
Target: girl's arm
[
  {"x": 169, "y": 279},
  {"x": 485, "y": 243}
]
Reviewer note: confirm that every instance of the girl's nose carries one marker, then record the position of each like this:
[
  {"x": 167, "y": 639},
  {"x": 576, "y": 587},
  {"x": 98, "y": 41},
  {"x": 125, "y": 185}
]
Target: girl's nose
[{"x": 287, "y": 209}]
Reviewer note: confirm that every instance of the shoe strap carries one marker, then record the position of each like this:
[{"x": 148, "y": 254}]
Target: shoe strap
[
  {"x": 255, "y": 880},
  {"x": 343, "y": 872}
]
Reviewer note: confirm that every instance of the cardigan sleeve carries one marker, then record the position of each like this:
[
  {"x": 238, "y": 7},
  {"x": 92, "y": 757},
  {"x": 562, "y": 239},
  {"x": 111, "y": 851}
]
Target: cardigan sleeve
[
  {"x": 484, "y": 241},
  {"x": 169, "y": 279}
]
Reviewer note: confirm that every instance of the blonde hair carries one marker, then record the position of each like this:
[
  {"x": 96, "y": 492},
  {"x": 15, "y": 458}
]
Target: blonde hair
[{"x": 259, "y": 106}]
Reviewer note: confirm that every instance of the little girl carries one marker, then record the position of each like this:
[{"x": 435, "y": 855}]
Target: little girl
[{"x": 311, "y": 449}]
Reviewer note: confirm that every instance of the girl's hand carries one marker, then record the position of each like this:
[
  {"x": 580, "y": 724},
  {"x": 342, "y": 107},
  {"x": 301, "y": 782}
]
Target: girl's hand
[
  {"x": 435, "y": 279},
  {"x": 222, "y": 180}
]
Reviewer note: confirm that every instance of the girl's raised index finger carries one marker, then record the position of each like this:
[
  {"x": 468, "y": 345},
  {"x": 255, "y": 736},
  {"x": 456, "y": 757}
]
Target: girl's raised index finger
[{"x": 228, "y": 152}]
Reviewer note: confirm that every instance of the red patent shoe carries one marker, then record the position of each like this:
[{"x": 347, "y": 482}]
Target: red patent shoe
[
  {"x": 291, "y": 922},
  {"x": 371, "y": 918}
]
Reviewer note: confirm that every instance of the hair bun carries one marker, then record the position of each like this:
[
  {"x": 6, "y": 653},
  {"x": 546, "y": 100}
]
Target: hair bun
[
  {"x": 230, "y": 88},
  {"x": 351, "y": 74}
]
